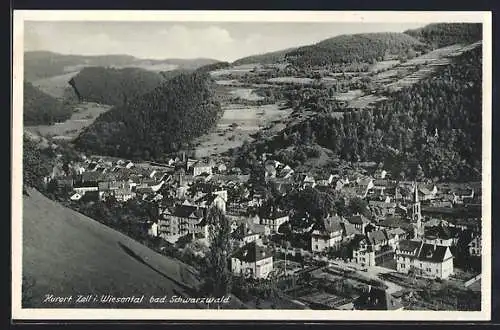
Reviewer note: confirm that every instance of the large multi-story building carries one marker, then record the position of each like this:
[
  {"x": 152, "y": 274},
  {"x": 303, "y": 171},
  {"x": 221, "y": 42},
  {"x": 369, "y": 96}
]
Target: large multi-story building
[
  {"x": 181, "y": 220},
  {"x": 425, "y": 260}
]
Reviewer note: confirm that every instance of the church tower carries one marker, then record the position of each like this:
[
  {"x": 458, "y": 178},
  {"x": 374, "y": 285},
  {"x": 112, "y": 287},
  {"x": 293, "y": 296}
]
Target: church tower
[{"x": 416, "y": 215}]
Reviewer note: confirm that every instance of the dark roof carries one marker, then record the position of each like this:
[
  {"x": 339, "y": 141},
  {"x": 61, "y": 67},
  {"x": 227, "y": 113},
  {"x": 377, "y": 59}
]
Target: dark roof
[
  {"x": 144, "y": 190},
  {"x": 349, "y": 229},
  {"x": 396, "y": 222},
  {"x": 442, "y": 232},
  {"x": 377, "y": 236},
  {"x": 187, "y": 211},
  {"x": 432, "y": 253},
  {"x": 90, "y": 176},
  {"x": 323, "y": 176},
  {"x": 377, "y": 299},
  {"x": 358, "y": 219},
  {"x": 409, "y": 246},
  {"x": 333, "y": 224},
  {"x": 252, "y": 252},
  {"x": 85, "y": 184}
]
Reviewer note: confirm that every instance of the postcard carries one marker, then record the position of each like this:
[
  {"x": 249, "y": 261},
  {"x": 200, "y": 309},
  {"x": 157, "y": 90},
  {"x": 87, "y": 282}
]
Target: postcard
[{"x": 251, "y": 165}]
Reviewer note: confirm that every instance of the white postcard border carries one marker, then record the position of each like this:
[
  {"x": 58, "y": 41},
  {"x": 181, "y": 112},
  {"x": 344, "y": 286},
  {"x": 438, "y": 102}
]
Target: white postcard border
[{"x": 19, "y": 313}]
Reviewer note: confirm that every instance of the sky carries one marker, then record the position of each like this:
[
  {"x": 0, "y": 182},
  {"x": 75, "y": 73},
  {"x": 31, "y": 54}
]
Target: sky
[{"x": 224, "y": 41}]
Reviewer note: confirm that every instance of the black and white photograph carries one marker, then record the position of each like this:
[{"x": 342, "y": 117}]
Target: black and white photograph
[{"x": 265, "y": 165}]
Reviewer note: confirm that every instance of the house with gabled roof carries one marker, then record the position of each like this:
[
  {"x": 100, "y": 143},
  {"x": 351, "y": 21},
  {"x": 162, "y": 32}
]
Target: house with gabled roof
[
  {"x": 377, "y": 239},
  {"x": 375, "y": 298},
  {"x": 201, "y": 167},
  {"x": 363, "y": 186},
  {"x": 274, "y": 219},
  {"x": 330, "y": 236},
  {"x": 441, "y": 235},
  {"x": 425, "y": 260},
  {"x": 252, "y": 260},
  {"x": 359, "y": 221},
  {"x": 325, "y": 179}
]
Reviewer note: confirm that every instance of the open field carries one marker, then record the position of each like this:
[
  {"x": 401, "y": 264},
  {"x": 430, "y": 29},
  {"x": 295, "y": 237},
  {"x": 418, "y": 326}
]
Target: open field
[
  {"x": 236, "y": 126},
  {"x": 68, "y": 254},
  {"x": 350, "y": 95},
  {"x": 235, "y": 70},
  {"x": 291, "y": 80},
  {"x": 246, "y": 94},
  {"x": 382, "y": 65},
  {"x": 84, "y": 115}
]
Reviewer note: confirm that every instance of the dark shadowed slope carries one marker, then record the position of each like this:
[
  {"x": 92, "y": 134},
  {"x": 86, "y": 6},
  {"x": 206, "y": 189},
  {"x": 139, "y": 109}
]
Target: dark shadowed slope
[
  {"x": 445, "y": 34},
  {"x": 66, "y": 253},
  {"x": 363, "y": 47}
]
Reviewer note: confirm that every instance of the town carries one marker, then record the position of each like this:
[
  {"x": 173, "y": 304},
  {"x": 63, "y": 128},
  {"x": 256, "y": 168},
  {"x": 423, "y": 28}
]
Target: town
[{"x": 395, "y": 241}]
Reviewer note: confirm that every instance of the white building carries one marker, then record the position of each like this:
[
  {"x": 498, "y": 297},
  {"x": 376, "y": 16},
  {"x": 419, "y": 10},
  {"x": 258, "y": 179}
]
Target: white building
[
  {"x": 153, "y": 230},
  {"x": 82, "y": 190},
  {"x": 425, "y": 260},
  {"x": 200, "y": 168},
  {"x": 252, "y": 260},
  {"x": 274, "y": 221}
]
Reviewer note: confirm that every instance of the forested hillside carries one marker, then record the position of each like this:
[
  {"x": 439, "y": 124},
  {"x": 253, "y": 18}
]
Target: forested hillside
[
  {"x": 162, "y": 120},
  {"x": 436, "y": 124},
  {"x": 213, "y": 67},
  {"x": 42, "y": 109},
  {"x": 37, "y": 163},
  {"x": 266, "y": 58},
  {"x": 445, "y": 34},
  {"x": 114, "y": 86},
  {"x": 362, "y": 48}
]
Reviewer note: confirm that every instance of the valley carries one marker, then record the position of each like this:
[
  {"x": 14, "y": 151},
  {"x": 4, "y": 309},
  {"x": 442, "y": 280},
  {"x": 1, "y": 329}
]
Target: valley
[{"x": 344, "y": 174}]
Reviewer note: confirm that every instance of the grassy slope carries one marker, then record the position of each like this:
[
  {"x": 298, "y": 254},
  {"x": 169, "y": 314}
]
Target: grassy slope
[{"x": 67, "y": 253}]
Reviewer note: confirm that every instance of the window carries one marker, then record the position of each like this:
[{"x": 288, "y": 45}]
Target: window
[{"x": 316, "y": 247}]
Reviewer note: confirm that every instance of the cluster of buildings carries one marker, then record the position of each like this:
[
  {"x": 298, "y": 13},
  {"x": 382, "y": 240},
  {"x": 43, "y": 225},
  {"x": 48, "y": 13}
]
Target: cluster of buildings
[{"x": 394, "y": 227}]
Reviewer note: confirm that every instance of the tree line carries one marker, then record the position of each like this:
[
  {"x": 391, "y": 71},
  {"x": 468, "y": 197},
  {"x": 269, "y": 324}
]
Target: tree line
[{"x": 360, "y": 48}]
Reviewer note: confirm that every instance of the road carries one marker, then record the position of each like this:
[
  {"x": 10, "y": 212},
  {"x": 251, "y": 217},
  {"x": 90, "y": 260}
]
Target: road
[{"x": 371, "y": 272}]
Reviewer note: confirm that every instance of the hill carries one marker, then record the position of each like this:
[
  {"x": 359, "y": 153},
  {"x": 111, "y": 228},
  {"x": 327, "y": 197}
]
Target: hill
[
  {"x": 361, "y": 48},
  {"x": 66, "y": 254},
  {"x": 113, "y": 86},
  {"x": 430, "y": 129},
  {"x": 266, "y": 58},
  {"x": 445, "y": 34},
  {"x": 160, "y": 121},
  {"x": 42, "y": 109},
  {"x": 44, "y": 64}
]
